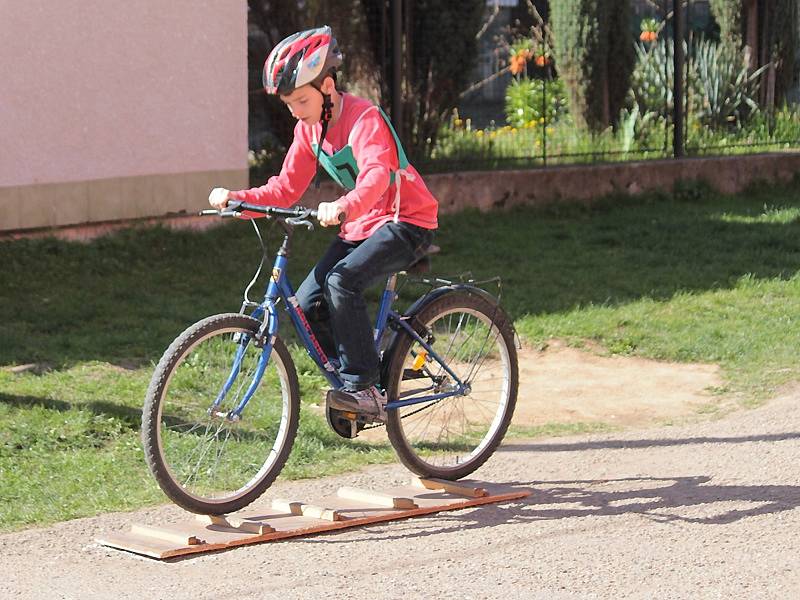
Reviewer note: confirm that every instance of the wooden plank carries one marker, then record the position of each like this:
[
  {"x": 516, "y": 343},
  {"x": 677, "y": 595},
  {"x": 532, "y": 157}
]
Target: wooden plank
[
  {"x": 294, "y": 508},
  {"x": 235, "y": 523},
  {"x": 320, "y": 512},
  {"x": 376, "y": 498},
  {"x": 218, "y": 536},
  {"x": 355, "y": 509},
  {"x": 307, "y": 510},
  {"x": 220, "y": 520},
  {"x": 146, "y": 546},
  {"x": 256, "y": 527},
  {"x": 452, "y": 487},
  {"x": 176, "y": 537}
]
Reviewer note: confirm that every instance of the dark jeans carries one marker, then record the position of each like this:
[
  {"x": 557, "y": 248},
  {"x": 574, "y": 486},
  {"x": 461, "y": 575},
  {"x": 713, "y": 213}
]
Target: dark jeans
[{"x": 332, "y": 295}]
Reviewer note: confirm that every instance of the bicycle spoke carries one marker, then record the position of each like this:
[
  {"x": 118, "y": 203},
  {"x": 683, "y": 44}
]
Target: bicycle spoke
[
  {"x": 210, "y": 457},
  {"x": 468, "y": 347},
  {"x": 199, "y": 461}
]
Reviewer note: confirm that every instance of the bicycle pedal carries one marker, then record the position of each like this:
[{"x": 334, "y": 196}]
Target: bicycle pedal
[
  {"x": 413, "y": 374},
  {"x": 345, "y": 424}
]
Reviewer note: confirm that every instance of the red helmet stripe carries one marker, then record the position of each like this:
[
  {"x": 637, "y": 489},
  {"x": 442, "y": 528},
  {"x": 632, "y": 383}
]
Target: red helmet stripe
[{"x": 292, "y": 50}]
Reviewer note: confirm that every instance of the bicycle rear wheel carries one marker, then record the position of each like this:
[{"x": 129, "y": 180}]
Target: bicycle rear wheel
[
  {"x": 202, "y": 460},
  {"x": 451, "y": 437}
]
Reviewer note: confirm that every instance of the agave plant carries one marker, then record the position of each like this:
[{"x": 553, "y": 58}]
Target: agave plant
[
  {"x": 724, "y": 88},
  {"x": 651, "y": 81}
]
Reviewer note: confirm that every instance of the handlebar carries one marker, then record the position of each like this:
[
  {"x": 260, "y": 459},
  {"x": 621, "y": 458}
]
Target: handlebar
[
  {"x": 291, "y": 216},
  {"x": 298, "y": 215},
  {"x": 236, "y": 207}
]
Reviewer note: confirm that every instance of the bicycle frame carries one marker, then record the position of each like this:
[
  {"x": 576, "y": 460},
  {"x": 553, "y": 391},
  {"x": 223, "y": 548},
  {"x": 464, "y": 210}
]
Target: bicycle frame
[{"x": 280, "y": 288}]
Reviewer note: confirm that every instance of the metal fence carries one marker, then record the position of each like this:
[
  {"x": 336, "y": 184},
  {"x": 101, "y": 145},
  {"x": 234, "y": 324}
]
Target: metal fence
[
  {"x": 686, "y": 49},
  {"x": 667, "y": 118}
]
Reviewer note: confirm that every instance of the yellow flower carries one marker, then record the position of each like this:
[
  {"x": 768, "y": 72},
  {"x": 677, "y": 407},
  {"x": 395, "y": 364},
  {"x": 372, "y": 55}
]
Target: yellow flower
[
  {"x": 549, "y": 130},
  {"x": 541, "y": 119},
  {"x": 479, "y": 133},
  {"x": 458, "y": 122},
  {"x": 513, "y": 130}
]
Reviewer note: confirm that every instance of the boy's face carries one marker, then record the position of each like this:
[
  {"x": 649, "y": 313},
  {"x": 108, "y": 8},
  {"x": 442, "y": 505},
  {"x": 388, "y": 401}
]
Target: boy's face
[{"x": 305, "y": 103}]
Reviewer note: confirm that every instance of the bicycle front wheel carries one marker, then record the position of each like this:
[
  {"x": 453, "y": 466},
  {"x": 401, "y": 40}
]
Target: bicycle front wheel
[
  {"x": 203, "y": 460},
  {"x": 451, "y": 437}
]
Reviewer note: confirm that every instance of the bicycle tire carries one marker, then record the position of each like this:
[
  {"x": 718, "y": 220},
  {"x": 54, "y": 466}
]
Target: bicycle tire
[
  {"x": 424, "y": 436},
  {"x": 176, "y": 424}
]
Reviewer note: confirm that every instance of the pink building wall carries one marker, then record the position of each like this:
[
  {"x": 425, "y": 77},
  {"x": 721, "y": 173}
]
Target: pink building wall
[{"x": 141, "y": 95}]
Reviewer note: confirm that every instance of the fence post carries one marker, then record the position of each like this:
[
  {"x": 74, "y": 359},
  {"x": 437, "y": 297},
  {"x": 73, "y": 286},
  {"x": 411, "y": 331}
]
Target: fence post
[
  {"x": 677, "y": 91},
  {"x": 545, "y": 115}
]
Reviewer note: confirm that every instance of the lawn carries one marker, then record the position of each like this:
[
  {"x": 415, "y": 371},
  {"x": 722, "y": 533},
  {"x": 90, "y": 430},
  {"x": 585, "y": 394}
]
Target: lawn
[{"x": 691, "y": 276}]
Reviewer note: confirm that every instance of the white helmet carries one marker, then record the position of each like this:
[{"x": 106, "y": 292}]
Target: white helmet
[{"x": 302, "y": 58}]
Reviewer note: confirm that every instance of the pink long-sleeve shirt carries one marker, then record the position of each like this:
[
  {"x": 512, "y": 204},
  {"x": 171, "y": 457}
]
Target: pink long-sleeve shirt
[{"x": 372, "y": 202}]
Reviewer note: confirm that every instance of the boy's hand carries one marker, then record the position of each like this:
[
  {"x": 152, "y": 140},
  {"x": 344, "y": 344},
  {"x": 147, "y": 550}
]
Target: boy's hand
[
  {"x": 328, "y": 213},
  {"x": 218, "y": 198}
]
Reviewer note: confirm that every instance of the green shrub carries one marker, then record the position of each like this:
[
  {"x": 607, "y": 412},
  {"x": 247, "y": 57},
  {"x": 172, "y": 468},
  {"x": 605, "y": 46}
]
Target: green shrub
[
  {"x": 533, "y": 100},
  {"x": 642, "y": 131},
  {"x": 784, "y": 46},
  {"x": 786, "y": 124},
  {"x": 728, "y": 15},
  {"x": 594, "y": 57}
]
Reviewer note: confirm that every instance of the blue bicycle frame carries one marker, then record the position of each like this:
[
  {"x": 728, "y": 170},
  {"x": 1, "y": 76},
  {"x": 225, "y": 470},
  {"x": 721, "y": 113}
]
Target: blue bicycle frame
[{"x": 279, "y": 288}]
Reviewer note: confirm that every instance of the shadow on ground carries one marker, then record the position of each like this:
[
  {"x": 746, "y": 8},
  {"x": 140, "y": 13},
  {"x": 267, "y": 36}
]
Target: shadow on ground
[{"x": 691, "y": 499}]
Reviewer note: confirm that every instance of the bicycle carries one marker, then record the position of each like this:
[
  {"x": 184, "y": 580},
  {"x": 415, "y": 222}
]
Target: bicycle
[{"x": 222, "y": 409}]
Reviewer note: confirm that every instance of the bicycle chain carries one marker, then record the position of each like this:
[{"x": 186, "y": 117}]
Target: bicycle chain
[{"x": 411, "y": 414}]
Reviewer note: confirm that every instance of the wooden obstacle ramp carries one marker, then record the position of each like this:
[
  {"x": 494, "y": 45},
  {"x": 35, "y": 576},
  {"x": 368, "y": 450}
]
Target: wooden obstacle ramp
[{"x": 287, "y": 518}]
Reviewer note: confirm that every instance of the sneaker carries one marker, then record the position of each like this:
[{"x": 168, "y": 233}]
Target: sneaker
[{"x": 370, "y": 401}]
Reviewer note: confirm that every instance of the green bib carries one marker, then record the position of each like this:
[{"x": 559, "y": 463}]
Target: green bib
[{"x": 342, "y": 166}]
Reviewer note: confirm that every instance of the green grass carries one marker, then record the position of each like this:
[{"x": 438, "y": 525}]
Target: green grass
[{"x": 694, "y": 276}]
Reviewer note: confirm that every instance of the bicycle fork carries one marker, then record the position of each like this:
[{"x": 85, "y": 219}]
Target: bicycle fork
[{"x": 265, "y": 337}]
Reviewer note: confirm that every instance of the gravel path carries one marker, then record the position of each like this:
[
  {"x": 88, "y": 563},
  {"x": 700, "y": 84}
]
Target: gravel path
[{"x": 706, "y": 510}]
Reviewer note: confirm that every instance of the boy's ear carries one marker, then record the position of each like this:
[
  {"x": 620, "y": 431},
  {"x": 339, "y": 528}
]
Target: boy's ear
[{"x": 328, "y": 85}]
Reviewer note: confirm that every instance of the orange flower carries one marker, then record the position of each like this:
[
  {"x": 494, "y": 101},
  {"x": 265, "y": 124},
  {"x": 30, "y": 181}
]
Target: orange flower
[
  {"x": 648, "y": 36},
  {"x": 518, "y": 62},
  {"x": 541, "y": 60}
]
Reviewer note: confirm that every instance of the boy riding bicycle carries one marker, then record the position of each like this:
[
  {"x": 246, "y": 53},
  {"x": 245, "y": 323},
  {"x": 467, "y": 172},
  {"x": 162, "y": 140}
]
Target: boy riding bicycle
[{"x": 387, "y": 215}]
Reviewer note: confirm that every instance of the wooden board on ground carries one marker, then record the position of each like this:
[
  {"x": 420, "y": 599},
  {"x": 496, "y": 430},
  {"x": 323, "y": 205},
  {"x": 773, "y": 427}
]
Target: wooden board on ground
[{"x": 348, "y": 508}]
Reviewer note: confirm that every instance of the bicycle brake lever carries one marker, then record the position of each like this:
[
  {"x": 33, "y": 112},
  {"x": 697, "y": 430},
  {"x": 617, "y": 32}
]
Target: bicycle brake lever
[{"x": 297, "y": 221}]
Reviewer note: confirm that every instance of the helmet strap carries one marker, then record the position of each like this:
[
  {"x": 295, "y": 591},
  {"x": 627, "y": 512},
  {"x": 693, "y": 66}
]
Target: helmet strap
[{"x": 325, "y": 117}]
